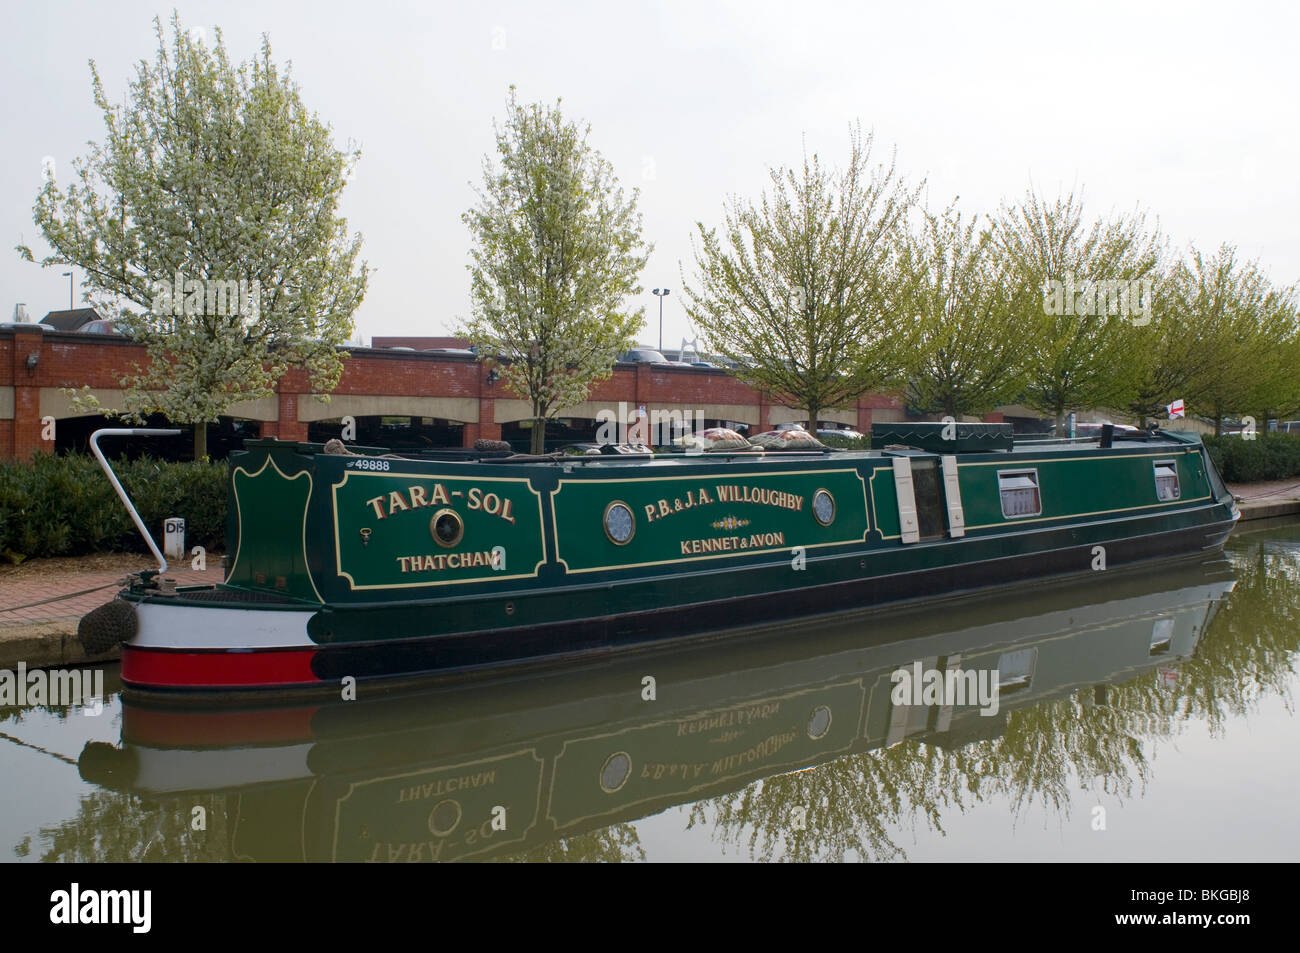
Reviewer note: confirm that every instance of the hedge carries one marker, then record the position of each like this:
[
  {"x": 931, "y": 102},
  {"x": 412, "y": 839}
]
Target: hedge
[
  {"x": 846, "y": 443},
  {"x": 1270, "y": 456},
  {"x": 65, "y": 506}
]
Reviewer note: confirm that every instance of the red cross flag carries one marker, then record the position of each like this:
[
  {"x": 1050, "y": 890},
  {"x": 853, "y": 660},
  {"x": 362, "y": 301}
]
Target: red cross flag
[{"x": 1176, "y": 410}]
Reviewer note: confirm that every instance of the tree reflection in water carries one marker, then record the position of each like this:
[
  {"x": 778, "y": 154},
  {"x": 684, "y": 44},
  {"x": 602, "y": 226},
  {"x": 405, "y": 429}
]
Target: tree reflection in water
[
  {"x": 120, "y": 828},
  {"x": 1093, "y": 739}
]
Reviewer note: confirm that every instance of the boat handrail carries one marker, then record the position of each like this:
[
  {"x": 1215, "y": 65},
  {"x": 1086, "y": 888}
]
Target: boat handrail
[
  {"x": 126, "y": 500},
  {"x": 1051, "y": 439}
]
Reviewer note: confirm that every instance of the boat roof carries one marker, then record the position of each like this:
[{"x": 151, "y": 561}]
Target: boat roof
[{"x": 624, "y": 455}]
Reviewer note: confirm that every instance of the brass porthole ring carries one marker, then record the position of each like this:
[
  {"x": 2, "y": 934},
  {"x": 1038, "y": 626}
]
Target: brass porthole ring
[
  {"x": 823, "y": 507},
  {"x": 615, "y": 772},
  {"x": 819, "y": 722},
  {"x": 619, "y": 522},
  {"x": 447, "y": 528}
]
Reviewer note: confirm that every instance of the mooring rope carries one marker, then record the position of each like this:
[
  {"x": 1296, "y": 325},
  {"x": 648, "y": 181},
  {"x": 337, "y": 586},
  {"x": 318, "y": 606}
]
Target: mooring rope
[
  {"x": 66, "y": 595},
  {"x": 28, "y": 744}
]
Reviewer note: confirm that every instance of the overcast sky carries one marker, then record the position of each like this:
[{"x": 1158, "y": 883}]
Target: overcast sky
[{"x": 1185, "y": 110}]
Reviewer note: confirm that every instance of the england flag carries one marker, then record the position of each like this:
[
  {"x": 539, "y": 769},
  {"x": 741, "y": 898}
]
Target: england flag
[{"x": 1176, "y": 410}]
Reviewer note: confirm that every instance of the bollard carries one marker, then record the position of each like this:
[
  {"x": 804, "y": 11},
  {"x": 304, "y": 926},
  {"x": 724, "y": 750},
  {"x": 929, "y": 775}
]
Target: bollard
[{"x": 174, "y": 538}]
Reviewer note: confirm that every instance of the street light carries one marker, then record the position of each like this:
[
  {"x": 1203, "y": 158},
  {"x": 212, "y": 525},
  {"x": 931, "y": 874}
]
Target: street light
[
  {"x": 661, "y": 293},
  {"x": 68, "y": 275}
]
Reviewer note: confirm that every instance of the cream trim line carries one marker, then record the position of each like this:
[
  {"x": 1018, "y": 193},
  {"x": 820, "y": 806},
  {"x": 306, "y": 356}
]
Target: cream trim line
[{"x": 338, "y": 561}]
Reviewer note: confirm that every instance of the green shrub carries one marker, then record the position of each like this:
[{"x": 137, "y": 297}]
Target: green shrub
[
  {"x": 65, "y": 505},
  {"x": 1267, "y": 457}
]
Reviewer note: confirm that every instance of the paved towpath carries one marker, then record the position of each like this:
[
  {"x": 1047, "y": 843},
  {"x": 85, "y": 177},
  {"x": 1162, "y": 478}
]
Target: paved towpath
[{"x": 42, "y": 600}]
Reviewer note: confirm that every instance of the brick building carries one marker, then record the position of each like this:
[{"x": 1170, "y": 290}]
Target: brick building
[{"x": 444, "y": 399}]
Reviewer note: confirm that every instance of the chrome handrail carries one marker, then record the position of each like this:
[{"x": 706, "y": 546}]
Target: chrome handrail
[{"x": 126, "y": 500}]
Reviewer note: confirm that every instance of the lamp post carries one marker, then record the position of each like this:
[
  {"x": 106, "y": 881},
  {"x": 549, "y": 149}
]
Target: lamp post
[
  {"x": 68, "y": 275},
  {"x": 661, "y": 293}
]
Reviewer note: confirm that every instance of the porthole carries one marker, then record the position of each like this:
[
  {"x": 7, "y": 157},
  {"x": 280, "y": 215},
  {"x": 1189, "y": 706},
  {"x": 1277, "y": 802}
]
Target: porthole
[
  {"x": 444, "y": 818},
  {"x": 819, "y": 722},
  {"x": 447, "y": 528},
  {"x": 615, "y": 772},
  {"x": 823, "y": 507},
  {"x": 620, "y": 524}
]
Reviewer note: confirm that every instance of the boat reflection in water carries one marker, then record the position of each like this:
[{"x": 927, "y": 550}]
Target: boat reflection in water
[{"x": 556, "y": 764}]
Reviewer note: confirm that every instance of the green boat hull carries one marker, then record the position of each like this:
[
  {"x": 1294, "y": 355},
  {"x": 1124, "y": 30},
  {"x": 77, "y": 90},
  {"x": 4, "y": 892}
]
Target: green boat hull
[{"x": 385, "y": 567}]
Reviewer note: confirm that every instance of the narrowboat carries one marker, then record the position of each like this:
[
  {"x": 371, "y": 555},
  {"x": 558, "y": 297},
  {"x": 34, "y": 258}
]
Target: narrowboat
[
  {"x": 362, "y": 565},
  {"x": 563, "y": 754}
]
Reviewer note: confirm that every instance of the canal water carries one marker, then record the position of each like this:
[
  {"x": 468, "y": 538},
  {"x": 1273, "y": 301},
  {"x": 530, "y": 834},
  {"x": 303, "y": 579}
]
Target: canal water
[{"x": 1131, "y": 715}]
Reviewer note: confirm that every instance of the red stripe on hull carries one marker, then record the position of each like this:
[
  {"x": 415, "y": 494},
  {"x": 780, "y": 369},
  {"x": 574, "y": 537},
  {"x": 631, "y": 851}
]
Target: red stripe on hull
[
  {"x": 153, "y": 669},
  {"x": 179, "y": 728}
]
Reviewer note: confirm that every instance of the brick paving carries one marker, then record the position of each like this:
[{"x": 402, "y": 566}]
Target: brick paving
[
  {"x": 29, "y": 587},
  {"x": 1271, "y": 490}
]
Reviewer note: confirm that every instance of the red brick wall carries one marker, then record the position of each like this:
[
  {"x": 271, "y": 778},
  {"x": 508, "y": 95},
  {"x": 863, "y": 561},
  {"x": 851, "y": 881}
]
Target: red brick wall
[{"x": 71, "y": 360}]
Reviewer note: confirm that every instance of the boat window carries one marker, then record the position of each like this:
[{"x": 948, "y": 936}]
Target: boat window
[
  {"x": 1162, "y": 636},
  {"x": 1166, "y": 480},
  {"x": 1016, "y": 669},
  {"x": 929, "y": 497},
  {"x": 1019, "y": 491}
]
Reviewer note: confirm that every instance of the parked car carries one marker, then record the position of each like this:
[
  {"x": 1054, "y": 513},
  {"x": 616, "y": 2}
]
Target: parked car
[
  {"x": 642, "y": 355},
  {"x": 102, "y": 326},
  {"x": 837, "y": 432}
]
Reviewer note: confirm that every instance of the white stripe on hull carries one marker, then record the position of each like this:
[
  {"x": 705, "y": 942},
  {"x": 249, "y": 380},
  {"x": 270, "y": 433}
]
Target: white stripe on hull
[
  {"x": 169, "y": 771},
  {"x": 203, "y": 627}
]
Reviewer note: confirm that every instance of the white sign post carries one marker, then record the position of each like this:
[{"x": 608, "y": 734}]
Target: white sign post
[{"x": 174, "y": 538}]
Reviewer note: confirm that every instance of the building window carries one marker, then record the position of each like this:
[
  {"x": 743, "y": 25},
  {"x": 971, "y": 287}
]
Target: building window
[
  {"x": 1019, "y": 491},
  {"x": 1166, "y": 480}
]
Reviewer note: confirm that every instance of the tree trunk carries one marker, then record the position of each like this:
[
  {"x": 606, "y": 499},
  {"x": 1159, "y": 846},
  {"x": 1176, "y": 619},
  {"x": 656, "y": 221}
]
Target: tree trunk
[
  {"x": 1218, "y": 418},
  {"x": 813, "y": 412},
  {"x": 537, "y": 442},
  {"x": 201, "y": 441}
]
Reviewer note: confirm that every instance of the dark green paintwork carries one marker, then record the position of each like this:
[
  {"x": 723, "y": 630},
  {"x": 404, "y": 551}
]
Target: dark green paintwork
[
  {"x": 396, "y": 509},
  {"x": 942, "y": 437},
  {"x": 1099, "y": 496},
  {"x": 269, "y": 508},
  {"x": 706, "y": 519}
]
